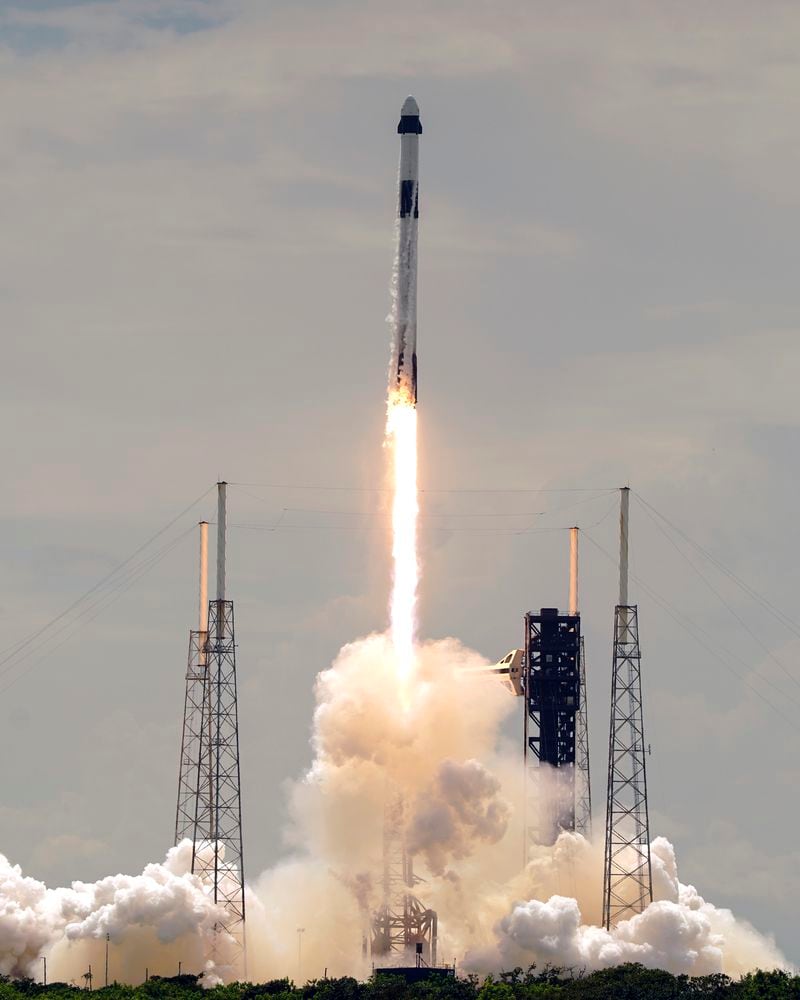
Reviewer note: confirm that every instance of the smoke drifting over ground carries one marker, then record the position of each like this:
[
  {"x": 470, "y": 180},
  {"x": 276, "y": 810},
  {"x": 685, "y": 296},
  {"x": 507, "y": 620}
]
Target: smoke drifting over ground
[
  {"x": 463, "y": 819},
  {"x": 149, "y": 918}
]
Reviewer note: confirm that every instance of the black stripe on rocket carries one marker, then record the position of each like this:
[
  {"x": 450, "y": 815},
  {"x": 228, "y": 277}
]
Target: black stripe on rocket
[
  {"x": 409, "y": 189},
  {"x": 409, "y": 199}
]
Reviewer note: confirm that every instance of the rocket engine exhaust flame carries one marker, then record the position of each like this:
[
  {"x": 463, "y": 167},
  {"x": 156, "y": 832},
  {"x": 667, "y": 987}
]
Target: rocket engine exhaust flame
[{"x": 401, "y": 432}]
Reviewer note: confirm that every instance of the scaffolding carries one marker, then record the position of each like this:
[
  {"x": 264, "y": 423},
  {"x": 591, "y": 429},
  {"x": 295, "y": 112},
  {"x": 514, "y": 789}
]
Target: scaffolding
[
  {"x": 209, "y": 808},
  {"x": 402, "y": 926},
  {"x": 217, "y": 855},
  {"x": 627, "y": 876},
  {"x": 194, "y": 717}
]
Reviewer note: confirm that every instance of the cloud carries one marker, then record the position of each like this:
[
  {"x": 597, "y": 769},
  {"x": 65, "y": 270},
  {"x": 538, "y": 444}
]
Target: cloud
[{"x": 718, "y": 94}]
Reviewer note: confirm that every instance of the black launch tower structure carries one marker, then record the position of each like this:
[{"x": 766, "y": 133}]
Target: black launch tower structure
[{"x": 552, "y": 692}]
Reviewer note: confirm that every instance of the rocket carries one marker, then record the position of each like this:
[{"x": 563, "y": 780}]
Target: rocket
[{"x": 403, "y": 374}]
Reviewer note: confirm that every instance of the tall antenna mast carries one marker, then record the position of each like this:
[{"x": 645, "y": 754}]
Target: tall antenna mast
[
  {"x": 624, "y": 514},
  {"x": 627, "y": 877},
  {"x": 193, "y": 708},
  {"x": 202, "y": 611},
  {"x": 217, "y": 855},
  {"x": 573, "y": 571},
  {"x": 222, "y": 531},
  {"x": 209, "y": 809},
  {"x": 583, "y": 780}
]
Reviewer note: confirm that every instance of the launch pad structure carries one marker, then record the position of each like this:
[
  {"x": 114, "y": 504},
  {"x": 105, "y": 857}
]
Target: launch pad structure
[
  {"x": 551, "y": 688},
  {"x": 402, "y": 925},
  {"x": 209, "y": 810},
  {"x": 556, "y": 736}
]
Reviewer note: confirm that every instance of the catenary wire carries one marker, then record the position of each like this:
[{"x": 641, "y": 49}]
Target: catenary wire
[
  {"x": 424, "y": 515},
  {"x": 757, "y": 639},
  {"x": 11, "y": 651},
  {"x": 447, "y": 529},
  {"x": 143, "y": 569},
  {"x": 780, "y": 616},
  {"x": 387, "y": 489},
  {"x": 692, "y": 628},
  {"x": 121, "y": 585}
]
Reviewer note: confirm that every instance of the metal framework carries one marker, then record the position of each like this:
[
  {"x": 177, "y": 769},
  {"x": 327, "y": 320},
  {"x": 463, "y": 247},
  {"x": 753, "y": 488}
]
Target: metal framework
[
  {"x": 209, "y": 808},
  {"x": 627, "y": 877},
  {"x": 402, "y": 925},
  {"x": 551, "y": 688},
  {"x": 627, "y": 880},
  {"x": 194, "y": 714},
  {"x": 217, "y": 855},
  {"x": 583, "y": 784}
]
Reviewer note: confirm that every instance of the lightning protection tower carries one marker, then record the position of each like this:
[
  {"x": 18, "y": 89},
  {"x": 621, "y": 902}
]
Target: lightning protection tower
[
  {"x": 627, "y": 879},
  {"x": 209, "y": 787},
  {"x": 583, "y": 780},
  {"x": 402, "y": 925},
  {"x": 193, "y": 709}
]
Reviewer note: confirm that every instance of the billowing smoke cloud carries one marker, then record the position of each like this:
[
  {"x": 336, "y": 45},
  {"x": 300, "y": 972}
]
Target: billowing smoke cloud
[
  {"x": 369, "y": 749},
  {"x": 439, "y": 751},
  {"x": 25, "y": 929},
  {"x": 462, "y": 792},
  {"x": 149, "y": 918},
  {"x": 679, "y": 931},
  {"x": 461, "y": 807}
]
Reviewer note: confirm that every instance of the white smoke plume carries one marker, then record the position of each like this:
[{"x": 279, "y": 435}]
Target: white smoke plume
[
  {"x": 462, "y": 792},
  {"x": 151, "y": 919},
  {"x": 679, "y": 932},
  {"x": 461, "y": 807}
]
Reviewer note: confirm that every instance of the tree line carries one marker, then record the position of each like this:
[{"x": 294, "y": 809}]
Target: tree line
[{"x": 624, "y": 982}]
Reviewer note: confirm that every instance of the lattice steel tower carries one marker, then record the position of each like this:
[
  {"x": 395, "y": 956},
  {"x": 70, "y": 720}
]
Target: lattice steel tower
[
  {"x": 627, "y": 879},
  {"x": 402, "y": 925},
  {"x": 210, "y": 755}
]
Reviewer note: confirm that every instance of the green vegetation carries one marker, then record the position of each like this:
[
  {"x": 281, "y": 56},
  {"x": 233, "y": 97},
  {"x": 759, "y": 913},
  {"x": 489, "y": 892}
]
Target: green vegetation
[{"x": 626, "y": 982}]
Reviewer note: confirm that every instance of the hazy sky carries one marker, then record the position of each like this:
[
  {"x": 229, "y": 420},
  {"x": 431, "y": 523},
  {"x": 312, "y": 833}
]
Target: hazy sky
[{"x": 197, "y": 203}]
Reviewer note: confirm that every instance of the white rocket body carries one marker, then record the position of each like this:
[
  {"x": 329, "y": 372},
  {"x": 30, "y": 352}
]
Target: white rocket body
[{"x": 403, "y": 372}]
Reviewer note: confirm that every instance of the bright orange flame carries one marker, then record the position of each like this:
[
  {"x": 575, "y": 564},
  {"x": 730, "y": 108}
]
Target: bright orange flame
[{"x": 401, "y": 432}]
